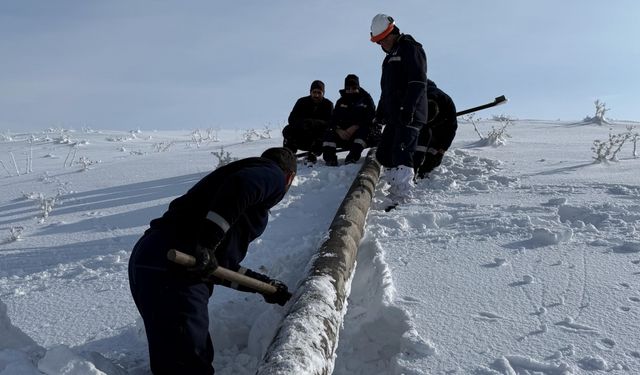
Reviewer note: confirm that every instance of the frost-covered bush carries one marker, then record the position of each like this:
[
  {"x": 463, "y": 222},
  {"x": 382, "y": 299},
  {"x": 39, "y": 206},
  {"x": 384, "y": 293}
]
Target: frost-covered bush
[
  {"x": 224, "y": 157},
  {"x": 599, "y": 117},
  {"x": 5, "y": 137},
  {"x": 498, "y": 134},
  {"x": 44, "y": 203},
  {"x": 163, "y": 146},
  {"x": 15, "y": 234},
  {"x": 84, "y": 163},
  {"x": 251, "y": 135},
  {"x": 200, "y": 136},
  {"x": 607, "y": 150}
]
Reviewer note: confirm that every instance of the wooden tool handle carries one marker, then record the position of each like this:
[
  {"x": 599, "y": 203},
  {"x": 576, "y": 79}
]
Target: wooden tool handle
[{"x": 187, "y": 260}]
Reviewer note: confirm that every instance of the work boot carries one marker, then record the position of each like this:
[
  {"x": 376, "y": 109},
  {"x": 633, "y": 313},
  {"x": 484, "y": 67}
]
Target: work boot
[
  {"x": 401, "y": 180},
  {"x": 291, "y": 145},
  {"x": 311, "y": 158},
  {"x": 354, "y": 154},
  {"x": 429, "y": 164},
  {"x": 329, "y": 156}
]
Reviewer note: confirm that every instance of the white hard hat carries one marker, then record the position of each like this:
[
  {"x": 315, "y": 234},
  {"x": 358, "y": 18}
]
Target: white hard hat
[{"x": 381, "y": 26}]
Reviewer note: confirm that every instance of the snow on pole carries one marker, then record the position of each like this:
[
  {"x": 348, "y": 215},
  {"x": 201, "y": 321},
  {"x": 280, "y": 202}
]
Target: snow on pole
[
  {"x": 14, "y": 163},
  {"x": 307, "y": 338}
]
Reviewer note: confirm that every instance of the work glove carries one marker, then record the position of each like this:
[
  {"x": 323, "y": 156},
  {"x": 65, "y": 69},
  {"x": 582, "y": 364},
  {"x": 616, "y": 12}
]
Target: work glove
[
  {"x": 281, "y": 296},
  {"x": 206, "y": 262},
  {"x": 209, "y": 236}
]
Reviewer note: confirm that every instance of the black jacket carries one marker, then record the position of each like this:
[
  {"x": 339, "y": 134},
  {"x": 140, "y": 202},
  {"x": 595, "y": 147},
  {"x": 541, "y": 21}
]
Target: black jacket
[
  {"x": 443, "y": 121},
  {"x": 404, "y": 83},
  {"x": 241, "y": 192},
  {"x": 306, "y": 109},
  {"x": 353, "y": 109}
]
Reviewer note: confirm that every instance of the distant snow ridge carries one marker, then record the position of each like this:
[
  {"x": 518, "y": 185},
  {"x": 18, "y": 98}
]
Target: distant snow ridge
[{"x": 378, "y": 336}]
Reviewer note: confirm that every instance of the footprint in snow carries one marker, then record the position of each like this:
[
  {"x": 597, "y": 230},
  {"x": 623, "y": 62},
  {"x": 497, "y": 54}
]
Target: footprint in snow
[
  {"x": 634, "y": 299},
  {"x": 606, "y": 344},
  {"x": 487, "y": 316},
  {"x": 625, "y": 308},
  {"x": 526, "y": 280},
  {"x": 409, "y": 300},
  {"x": 497, "y": 262},
  {"x": 570, "y": 325}
]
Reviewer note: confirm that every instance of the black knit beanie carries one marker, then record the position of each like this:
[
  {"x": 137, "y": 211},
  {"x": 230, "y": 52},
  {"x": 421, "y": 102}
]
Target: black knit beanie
[
  {"x": 351, "y": 80},
  {"x": 317, "y": 84}
]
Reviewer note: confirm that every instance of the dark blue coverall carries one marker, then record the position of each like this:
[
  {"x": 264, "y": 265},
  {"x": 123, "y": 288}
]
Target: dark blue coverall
[
  {"x": 234, "y": 199},
  {"x": 403, "y": 102}
]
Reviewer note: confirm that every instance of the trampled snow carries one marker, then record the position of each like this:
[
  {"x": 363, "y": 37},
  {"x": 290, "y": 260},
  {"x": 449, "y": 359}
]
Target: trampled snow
[{"x": 517, "y": 259}]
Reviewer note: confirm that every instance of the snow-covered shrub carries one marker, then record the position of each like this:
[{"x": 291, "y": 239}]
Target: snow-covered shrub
[
  {"x": 44, "y": 203},
  {"x": 502, "y": 117},
  {"x": 251, "y": 135},
  {"x": 89, "y": 130},
  {"x": 85, "y": 163},
  {"x": 15, "y": 234},
  {"x": 471, "y": 118},
  {"x": 119, "y": 139},
  {"x": 607, "y": 150},
  {"x": 599, "y": 117},
  {"x": 224, "y": 157},
  {"x": 135, "y": 133},
  {"x": 64, "y": 139},
  {"x": 497, "y": 135},
  {"x": 163, "y": 146},
  {"x": 5, "y": 137},
  {"x": 200, "y": 136},
  {"x": 634, "y": 135}
]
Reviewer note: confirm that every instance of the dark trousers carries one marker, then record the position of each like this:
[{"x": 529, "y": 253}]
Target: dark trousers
[
  {"x": 397, "y": 145},
  {"x": 307, "y": 137},
  {"x": 173, "y": 308}
]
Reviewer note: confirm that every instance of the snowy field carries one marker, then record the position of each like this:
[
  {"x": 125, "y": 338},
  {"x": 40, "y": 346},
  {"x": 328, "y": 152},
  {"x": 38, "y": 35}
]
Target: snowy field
[{"x": 514, "y": 258}]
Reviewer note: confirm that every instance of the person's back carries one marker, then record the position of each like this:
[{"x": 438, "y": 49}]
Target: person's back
[
  {"x": 308, "y": 121},
  {"x": 213, "y": 222},
  {"x": 186, "y": 221},
  {"x": 436, "y": 137}
]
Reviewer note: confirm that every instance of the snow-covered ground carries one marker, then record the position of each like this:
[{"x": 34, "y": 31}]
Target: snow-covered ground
[{"x": 517, "y": 259}]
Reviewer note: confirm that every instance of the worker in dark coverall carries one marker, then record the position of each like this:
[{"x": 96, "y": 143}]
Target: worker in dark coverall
[
  {"x": 308, "y": 121},
  {"x": 214, "y": 221},
  {"x": 435, "y": 138},
  {"x": 351, "y": 123},
  {"x": 403, "y": 103}
]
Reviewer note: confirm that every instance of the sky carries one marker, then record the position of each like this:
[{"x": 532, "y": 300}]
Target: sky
[
  {"x": 154, "y": 64},
  {"x": 518, "y": 255}
]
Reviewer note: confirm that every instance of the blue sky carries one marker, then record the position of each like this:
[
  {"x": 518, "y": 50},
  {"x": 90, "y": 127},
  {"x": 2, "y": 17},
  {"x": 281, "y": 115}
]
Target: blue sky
[{"x": 242, "y": 64}]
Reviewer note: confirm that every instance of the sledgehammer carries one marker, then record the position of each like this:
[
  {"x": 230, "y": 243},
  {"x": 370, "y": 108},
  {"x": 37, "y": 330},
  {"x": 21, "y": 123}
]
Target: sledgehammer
[{"x": 187, "y": 260}]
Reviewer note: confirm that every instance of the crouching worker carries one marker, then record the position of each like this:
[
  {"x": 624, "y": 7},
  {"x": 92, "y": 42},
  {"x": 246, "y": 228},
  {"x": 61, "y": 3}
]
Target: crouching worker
[
  {"x": 214, "y": 222},
  {"x": 435, "y": 138},
  {"x": 351, "y": 123},
  {"x": 308, "y": 121}
]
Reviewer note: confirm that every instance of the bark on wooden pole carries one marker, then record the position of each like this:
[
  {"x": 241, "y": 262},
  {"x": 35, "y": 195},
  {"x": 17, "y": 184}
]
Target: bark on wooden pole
[{"x": 307, "y": 339}]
